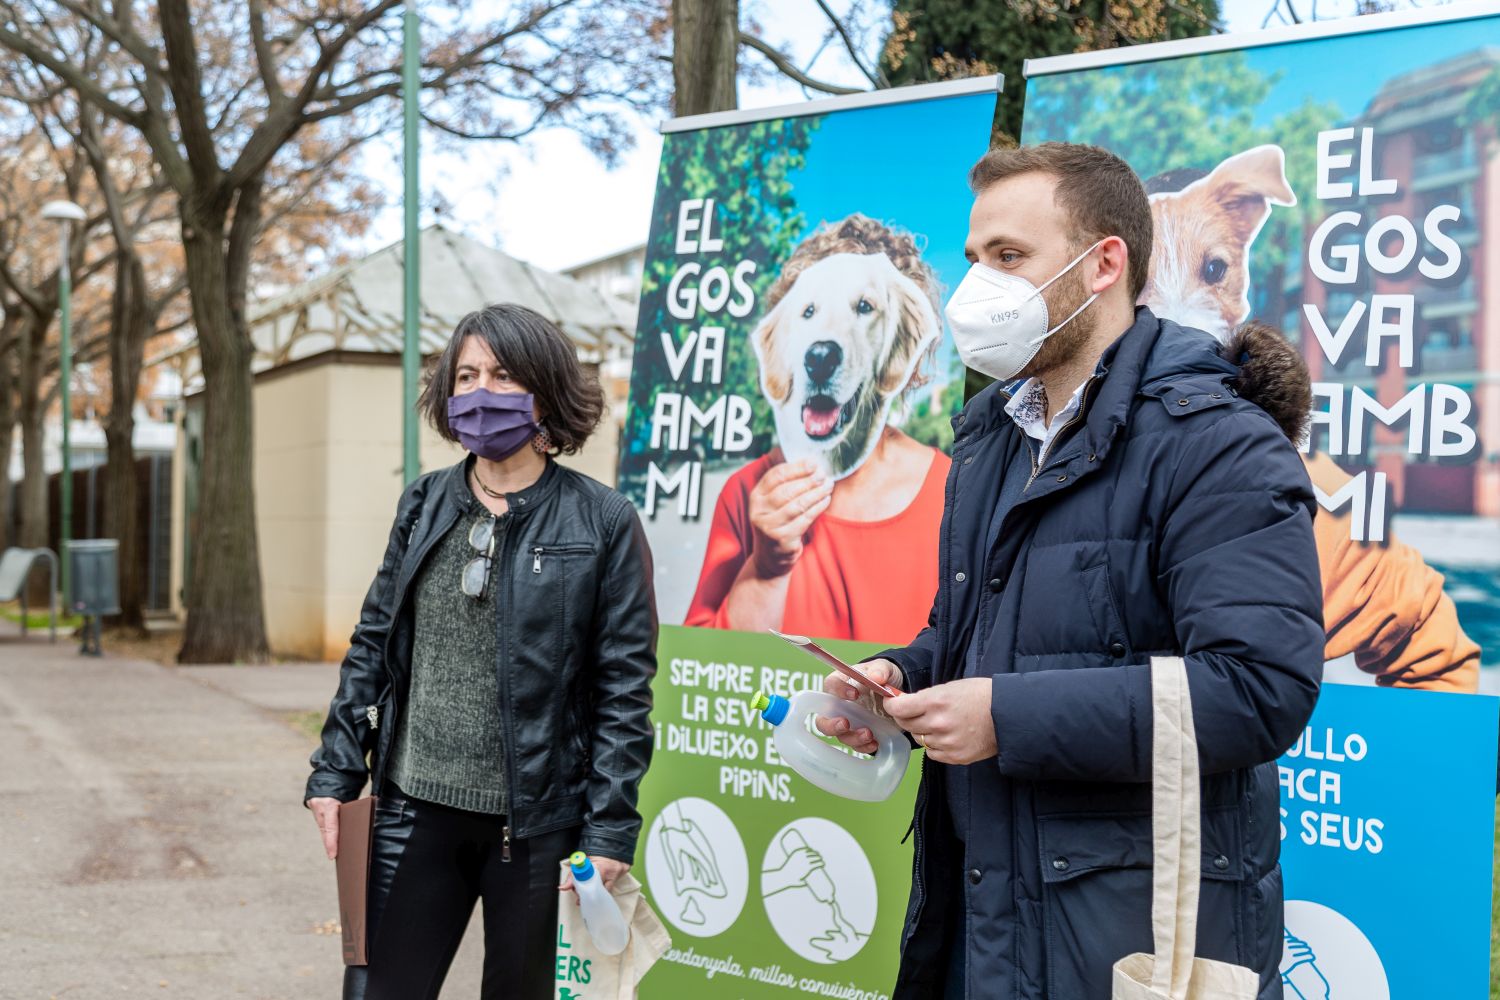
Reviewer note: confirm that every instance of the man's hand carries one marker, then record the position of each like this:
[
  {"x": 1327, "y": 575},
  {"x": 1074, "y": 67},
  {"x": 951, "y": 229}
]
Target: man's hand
[
  {"x": 326, "y": 812},
  {"x": 951, "y": 720},
  {"x": 606, "y": 869},
  {"x": 783, "y": 506},
  {"x": 859, "y": 740}
]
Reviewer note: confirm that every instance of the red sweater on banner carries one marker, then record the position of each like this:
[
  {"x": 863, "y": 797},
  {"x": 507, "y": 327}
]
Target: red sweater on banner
[{"x": 871, "y": 581}]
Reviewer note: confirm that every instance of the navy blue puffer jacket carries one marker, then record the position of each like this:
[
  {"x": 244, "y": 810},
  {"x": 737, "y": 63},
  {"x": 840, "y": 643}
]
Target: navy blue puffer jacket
[{"x": 1175, "y": 520}]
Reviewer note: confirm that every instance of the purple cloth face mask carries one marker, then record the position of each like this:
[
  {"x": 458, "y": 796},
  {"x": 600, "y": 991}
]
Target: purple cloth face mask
[{"x": 493, "y": 425}]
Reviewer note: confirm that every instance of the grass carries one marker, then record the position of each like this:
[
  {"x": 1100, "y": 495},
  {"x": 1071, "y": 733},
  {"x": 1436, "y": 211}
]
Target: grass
[
  {"x": 37, "y": 619},
  {"x": 309, "y": 724}
]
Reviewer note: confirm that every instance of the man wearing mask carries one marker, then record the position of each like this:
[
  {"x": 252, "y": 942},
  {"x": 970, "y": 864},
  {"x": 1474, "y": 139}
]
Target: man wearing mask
[{"x": 1113, "y": 497}]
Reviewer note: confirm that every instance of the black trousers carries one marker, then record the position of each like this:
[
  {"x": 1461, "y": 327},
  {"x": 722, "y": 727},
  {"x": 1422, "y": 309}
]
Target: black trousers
[{"x": 429, "y": 864}]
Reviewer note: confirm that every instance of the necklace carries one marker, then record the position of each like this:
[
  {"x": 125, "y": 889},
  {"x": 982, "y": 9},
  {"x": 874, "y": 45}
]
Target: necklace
[{"x": 489, "y": 492}]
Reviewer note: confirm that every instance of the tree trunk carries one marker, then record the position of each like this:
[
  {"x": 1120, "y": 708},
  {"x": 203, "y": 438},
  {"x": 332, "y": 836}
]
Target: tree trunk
[
  {"x": 9, "y": 349},
  {"x": 32, "y": 412},
  {"x": 705, "y": 50},
  {"x": 130, "y": 324},
  {"x": 225, "y": 620}
]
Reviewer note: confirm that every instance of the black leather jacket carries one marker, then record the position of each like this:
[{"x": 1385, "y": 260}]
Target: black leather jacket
[{"x": 575, "y": 659}]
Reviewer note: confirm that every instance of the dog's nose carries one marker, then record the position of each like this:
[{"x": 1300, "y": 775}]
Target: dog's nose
[{"x": 822, "y": 360}]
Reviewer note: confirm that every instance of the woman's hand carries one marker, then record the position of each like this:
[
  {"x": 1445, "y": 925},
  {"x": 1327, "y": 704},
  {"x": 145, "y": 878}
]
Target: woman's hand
[
  {"x": 859, "y": 740},
  {"x": 607, "y": 869},
  {"x": 326, "y": 812},
  {"x": 783, "y": 506}
]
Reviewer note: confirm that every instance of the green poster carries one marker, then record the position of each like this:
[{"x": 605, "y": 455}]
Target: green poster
[
  {"x": 787, "y": 444},
  {"x": 766, "y": 883}
]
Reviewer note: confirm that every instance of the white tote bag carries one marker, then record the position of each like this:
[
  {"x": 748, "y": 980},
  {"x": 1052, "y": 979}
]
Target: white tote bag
[
  {"x": 585, "y": 973},
  {"x": 1173, "y": 973}
]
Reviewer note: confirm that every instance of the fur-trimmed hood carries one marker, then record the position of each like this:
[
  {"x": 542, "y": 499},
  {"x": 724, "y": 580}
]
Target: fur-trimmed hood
[{"x": 1272, "y": 375}]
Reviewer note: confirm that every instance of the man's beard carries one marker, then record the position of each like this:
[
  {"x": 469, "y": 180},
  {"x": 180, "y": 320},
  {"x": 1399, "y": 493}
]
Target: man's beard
[{"x": 1063, "y": 298}]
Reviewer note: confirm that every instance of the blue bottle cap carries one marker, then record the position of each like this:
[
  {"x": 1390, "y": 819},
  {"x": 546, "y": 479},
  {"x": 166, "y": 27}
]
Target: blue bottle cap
[
  {"x": 583, "y": 868},
  {"x": 772, "y": 708}
]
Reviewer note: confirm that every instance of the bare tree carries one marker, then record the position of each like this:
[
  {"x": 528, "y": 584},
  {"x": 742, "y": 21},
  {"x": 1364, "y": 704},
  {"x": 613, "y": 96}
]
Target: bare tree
[
  {"x": 1284, "y": 12},
  {"x": 708, "y": 36},
  {"x": 215, "y": 131},
  {"x": 35, "y": 169}
]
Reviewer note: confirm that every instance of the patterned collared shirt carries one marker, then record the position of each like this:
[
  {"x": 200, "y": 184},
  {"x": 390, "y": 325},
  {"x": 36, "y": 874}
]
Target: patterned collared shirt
[{"x": 1028, "y": 408}]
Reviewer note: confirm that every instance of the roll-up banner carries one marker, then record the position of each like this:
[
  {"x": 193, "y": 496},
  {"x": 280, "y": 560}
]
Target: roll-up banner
[
  {"x": 1342, "y": 182},
  {"x": 787, "y": 444}
]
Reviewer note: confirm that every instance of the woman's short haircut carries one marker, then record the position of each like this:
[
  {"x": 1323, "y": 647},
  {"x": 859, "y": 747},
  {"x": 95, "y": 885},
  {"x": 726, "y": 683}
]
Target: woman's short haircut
[
  {"x": 538, "y": 356},
  {"x": 1097, "y": 190}
]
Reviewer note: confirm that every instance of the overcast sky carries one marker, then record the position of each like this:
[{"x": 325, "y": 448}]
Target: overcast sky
[{"x": 551, "y": 202}]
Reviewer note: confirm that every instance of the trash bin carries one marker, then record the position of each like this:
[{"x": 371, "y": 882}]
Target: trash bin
[{"x": 94, "y": 586}]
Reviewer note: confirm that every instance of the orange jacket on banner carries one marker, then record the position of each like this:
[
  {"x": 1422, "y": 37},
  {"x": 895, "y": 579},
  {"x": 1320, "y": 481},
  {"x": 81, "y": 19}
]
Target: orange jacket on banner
[{"x": 1385, "y": 605}]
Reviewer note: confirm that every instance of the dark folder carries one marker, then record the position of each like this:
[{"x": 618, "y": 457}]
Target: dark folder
[{"x": 356, "y": 830}]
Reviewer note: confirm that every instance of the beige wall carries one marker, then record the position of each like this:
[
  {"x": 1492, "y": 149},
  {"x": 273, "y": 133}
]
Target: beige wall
[
  {"x": 327, "y": 478},
  {"x": 293, "y": 469}
]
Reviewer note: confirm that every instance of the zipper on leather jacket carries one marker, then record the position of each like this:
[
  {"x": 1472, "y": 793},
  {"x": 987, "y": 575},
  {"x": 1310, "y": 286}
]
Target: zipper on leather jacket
[
  {"x": 537, "y": 552},
  {"x": 505, "y": 843},
  {"x": 372, "y": 713}
]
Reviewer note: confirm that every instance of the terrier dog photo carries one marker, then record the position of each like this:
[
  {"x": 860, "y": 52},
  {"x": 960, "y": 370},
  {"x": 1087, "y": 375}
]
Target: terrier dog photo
[{"x": 1205, "y": 223}]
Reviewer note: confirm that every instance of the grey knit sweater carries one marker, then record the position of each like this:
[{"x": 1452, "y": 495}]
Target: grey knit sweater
[{"x": 449, "y": 748}]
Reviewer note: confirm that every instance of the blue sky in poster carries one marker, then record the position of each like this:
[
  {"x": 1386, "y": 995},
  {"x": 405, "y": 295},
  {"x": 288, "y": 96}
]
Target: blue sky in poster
[
  {"x": 1349, "y": 70},
  {"x": 857, "y": 163},
  {"x": 1346, "y": 70}
]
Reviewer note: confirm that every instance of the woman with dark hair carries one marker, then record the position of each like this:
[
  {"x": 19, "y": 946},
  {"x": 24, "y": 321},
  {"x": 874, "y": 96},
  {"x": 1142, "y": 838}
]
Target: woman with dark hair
[{"x": 500, "y": 675}]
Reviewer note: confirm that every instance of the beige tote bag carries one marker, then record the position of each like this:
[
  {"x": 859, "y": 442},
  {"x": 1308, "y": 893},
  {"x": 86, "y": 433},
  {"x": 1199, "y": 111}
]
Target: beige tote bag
[
  {"x": 1173, "y": 973},
  {"x": 584, "y": 973}
]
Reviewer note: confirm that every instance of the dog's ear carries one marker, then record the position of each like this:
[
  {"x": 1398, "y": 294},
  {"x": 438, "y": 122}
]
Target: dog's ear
[
  {"x": 1246, "y": 186},
  {"x": 914, "y": 329},
  {"x": 775, "y": 376}
]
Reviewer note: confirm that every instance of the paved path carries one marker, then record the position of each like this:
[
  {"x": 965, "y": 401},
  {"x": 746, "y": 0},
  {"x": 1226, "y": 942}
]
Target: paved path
[{"x": 152, "y": 837}]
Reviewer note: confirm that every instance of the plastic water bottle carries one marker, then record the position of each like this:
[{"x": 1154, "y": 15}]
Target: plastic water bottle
[
  {"x": 829, "y": 767},
  {"x": 601, "y": 915}
]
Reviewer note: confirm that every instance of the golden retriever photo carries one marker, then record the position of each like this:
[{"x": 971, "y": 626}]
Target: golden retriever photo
[
  {"x": 837, "y": 351},
  {"x": 801, "y": 537}
]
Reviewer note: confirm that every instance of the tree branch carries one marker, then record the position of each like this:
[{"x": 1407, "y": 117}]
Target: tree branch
[
  {"x": 875, "y": 81},
  {"x": 284, "y": 121},
  {"x": 185, "y": 80},
  {"x": 70, "y": 74},
  {"x": 787, "y": 67},
  {"x": 121, "y": 34},
  {"x": 508, "y": 135},
  {"x": 242, "y": 233},
  {"x": 265, "y": 60}
]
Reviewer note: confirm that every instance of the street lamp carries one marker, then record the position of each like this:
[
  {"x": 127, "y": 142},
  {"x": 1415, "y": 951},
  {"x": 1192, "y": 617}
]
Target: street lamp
[
  {"x": 65, "y": 213},
  {"x": 411, "y": 241}
]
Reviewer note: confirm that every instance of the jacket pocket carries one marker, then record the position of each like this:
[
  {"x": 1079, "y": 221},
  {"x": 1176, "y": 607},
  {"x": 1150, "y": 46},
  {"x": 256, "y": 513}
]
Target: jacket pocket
[
  {"x": 1096, "y": 895},
  {"x": 1104, "y": 609},
  {"x": 580, "y": 736},
  {"x": 563, "y": 575}
]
